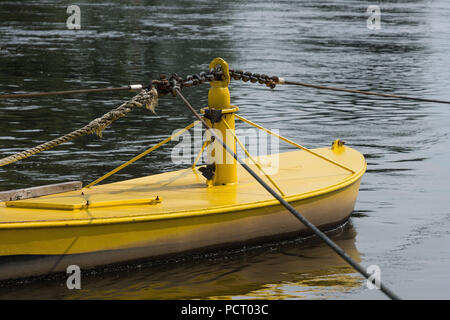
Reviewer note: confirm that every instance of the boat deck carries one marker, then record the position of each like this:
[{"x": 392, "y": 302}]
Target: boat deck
[{"x": 184, "y": 193}]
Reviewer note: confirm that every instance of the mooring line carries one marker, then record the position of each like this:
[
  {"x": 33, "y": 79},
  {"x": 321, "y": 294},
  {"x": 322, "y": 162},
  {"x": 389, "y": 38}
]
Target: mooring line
[
  {"x": 291, "y": 209},
  {"x": 52, "y": 93},
  {"x": 385, "y": 95},
  {"x": 212, "y": 75},
  {"x": 275, "y": 80},
  {"x": 146, "y": 98}
]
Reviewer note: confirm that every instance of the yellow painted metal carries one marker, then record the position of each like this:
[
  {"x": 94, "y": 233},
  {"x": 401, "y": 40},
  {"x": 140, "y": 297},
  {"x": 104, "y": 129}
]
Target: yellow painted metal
[
  {"x": 205, "y": 144},
  {"x": 78, "y": 203},
  {"x": 219, "y": 99},
  {"x": 296, "y": 144},
  {"x": 338, "y": 146},
  {"x": 219, "y": 95},
  {"x": 254, "y": 161},
  {"x": 146, "y": 152}
]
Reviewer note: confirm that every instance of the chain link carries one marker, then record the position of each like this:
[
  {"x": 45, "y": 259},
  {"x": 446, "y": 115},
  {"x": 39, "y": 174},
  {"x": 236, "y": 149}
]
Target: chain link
[
  {"x": 254, "y": 77},
  {"x": 166, "y": 85}
]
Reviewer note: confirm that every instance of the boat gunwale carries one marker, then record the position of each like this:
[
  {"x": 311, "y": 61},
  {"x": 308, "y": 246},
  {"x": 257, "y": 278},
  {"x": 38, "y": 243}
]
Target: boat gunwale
[{"x": 353, "y": 178}]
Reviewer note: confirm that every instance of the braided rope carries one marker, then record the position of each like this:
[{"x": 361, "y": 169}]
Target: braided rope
[{"x": 147, "y": 98}]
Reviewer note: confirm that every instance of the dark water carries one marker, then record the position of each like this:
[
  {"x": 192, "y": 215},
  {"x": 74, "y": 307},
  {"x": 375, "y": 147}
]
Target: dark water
[{"x": 402, "y": 218}]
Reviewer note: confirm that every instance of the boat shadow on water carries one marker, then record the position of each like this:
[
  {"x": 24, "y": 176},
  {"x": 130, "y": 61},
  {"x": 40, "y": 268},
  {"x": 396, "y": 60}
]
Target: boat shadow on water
[{"x": 289, "y": 268}]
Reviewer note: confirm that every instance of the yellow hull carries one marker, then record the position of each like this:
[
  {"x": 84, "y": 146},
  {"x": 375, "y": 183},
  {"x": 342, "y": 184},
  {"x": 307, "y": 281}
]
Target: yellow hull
[{"x": 122, "y": 221}]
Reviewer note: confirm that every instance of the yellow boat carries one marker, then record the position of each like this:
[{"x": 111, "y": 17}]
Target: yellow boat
[{"x": 180, "y": 211}]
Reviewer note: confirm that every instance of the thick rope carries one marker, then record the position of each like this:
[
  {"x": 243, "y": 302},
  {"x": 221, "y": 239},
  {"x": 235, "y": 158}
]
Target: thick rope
[{"x": 147, "y": 98}]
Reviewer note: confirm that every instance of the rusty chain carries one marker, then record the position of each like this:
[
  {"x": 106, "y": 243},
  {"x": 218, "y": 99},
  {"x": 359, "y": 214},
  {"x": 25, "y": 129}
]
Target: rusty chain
[{"x": 167, "y": 85}]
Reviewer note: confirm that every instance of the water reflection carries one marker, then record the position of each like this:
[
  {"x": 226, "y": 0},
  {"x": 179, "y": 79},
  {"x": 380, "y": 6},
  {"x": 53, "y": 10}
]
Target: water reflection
[{"x": 289, "y": 269}]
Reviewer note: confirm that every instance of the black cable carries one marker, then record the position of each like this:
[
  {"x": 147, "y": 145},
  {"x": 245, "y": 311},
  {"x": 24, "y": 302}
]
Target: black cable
[
  {"x": 291, "y": 209},
  {"x": 274, "y": 80},
  {"x": 362, "y": 92}
]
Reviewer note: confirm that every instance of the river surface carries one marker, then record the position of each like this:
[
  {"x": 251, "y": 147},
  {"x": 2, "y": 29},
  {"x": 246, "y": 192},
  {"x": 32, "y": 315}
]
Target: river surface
[{"x": 401, "y": 221}]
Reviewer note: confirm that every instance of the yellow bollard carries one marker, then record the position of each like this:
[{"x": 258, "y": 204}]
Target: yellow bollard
[{"x": 219, "y": 99}]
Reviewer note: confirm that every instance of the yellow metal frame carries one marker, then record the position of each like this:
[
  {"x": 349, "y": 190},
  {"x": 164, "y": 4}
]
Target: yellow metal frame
[
  {"x": 336, "y": 145},
  {"x": 80, "y": 205},
  {"x": 146, "y": 152},
  {"x": 205, "y": 144},
  {"x": 258, "y": 165}
]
